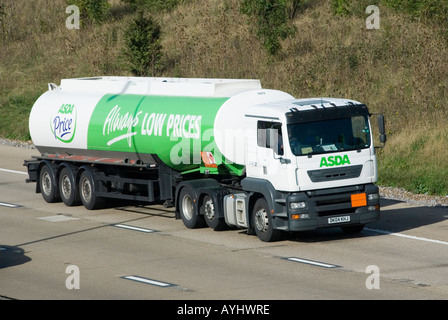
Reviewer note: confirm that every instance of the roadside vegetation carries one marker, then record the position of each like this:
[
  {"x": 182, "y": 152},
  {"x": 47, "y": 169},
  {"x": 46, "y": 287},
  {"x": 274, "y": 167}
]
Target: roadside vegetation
[{"x": 307, "y": 48}]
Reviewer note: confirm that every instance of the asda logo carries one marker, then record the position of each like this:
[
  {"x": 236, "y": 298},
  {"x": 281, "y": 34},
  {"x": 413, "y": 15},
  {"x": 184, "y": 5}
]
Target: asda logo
[
  {"x": 332, "y": 161},
  {"x": 63, "y": 124}
]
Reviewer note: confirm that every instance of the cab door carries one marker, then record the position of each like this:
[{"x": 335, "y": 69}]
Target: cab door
[{"x": 267, "y": 159}]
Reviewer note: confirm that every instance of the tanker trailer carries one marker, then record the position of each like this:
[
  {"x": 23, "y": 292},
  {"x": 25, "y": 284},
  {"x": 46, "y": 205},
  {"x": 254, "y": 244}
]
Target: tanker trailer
[{"x": 223, "y": 152}]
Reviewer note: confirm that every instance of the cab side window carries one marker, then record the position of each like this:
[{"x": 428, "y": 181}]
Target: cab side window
[{"x": 269, "y": 135}]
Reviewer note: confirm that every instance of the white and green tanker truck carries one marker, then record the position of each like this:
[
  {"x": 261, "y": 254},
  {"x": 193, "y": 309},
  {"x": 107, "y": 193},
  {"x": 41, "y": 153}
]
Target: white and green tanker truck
[{"x": 223, "y": 152}]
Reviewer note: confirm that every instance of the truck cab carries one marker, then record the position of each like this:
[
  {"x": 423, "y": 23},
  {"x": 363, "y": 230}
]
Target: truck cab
[{"x": 314, "y": 162}]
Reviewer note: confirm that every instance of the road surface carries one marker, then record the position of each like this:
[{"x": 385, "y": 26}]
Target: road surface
[{"x": 50, "y": 251}]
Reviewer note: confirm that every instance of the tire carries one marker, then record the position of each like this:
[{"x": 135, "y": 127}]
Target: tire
[
  {"x": 208, "y": 210},
  {"x": 67, "y": 188},
  {"x": 262, "y": 222},
  {"x": 87, "y": 192},
  {"x": 187, "y": 209},
  {"x": 47, "y": 184}
]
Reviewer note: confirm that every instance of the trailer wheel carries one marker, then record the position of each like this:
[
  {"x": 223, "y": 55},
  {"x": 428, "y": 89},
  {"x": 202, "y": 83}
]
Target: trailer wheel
[
  {"x": 208, "y": 211},
  {"x": 48, "y": 187},
  {"x": 67, "y": 188},
  {"x": 187, "y": 210},
  {"x": 262, "y": 222},
  {"x": 87, "y": 192}
]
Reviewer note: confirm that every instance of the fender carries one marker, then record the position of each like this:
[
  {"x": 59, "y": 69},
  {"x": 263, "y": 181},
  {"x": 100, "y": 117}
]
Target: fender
[{"x": 275, "y": 199}]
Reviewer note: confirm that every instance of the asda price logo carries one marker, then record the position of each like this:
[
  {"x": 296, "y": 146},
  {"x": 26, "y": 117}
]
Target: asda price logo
[
  {"x": 63, "y": 123},
  {"x": 332, "y": 161}
]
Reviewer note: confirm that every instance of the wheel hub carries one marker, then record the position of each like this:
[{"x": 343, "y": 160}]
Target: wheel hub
[
  {"x": 66, "y": 187},
  {"x": 261, "y": 220},
  {"x": 86, "y": 190},
  {"x": 187, "y": 207},
  {"x": 209, "y": 209}
]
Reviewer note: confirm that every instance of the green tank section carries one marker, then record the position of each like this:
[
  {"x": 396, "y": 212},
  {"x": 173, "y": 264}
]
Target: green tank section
[{"x": 175, "y": 129}]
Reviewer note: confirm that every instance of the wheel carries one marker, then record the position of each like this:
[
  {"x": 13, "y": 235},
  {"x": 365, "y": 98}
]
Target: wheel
[
  {"x": 353, "y": 229},
  {"x": 262, "y": 222},
  {"x": 208, "y": 211},
  {"x": 67, "y": 188},
  {"x": 48, "y": 185},
  {"x": 87, "y": 192},
  {"x": 187, "y": 210}
]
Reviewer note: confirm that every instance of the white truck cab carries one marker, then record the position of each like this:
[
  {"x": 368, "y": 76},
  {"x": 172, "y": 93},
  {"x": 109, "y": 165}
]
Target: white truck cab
[{"x": 314, "y": 162}]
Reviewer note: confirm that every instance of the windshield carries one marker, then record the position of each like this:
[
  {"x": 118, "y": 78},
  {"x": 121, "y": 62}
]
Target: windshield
[{"x": 334, "y": 135}]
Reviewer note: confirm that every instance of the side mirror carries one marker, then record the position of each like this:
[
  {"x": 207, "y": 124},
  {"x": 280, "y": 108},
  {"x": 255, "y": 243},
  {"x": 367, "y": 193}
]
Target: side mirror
[
  {"x": 382, "y": 129},
  {"x": 381, "y": 126}
]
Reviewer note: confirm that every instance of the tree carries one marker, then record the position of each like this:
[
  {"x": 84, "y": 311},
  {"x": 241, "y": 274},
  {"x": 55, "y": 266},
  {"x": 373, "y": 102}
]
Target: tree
[{"x": 143, "y": 47}]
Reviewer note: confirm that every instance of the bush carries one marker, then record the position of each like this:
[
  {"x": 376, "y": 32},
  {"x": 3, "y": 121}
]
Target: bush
[
  {"x": 271, "y": 21},
  {"x": 341, "y": 7},
  {"x": 2, "y": 20},
  {"x": 143, "y": 47},
  {"x": 93, "y": 10}
]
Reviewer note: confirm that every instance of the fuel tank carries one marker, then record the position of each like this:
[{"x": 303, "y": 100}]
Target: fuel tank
[{"x": 170, "y": 120}]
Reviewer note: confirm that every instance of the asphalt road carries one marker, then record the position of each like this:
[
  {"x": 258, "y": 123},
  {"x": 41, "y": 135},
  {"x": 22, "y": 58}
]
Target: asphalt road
[{"x": 50, "y": 251}]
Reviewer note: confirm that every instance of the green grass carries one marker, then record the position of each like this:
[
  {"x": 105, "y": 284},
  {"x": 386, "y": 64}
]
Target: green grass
[
  {"x": 396, "y": 173},
  {"x": 15, "y": 112},
  {"x": 415, "y": 160},
  {"x": 400, "y": 70}
]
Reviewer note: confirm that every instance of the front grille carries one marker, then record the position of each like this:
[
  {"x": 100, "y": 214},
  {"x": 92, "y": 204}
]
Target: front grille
[
  {"x": 336, "y": 212},
  {"x": 343, "y": 199},
  {"x": 322, "y": 175},
  {"x": 333, "y": 201}
]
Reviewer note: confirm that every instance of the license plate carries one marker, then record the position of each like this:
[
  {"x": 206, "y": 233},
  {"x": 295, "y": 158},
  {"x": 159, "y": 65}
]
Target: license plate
[{"x": 339, "y": 219}]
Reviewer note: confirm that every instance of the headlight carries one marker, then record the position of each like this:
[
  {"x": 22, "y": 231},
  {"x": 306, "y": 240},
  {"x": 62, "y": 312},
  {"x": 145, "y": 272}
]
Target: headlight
[
  {"x": 374, "y": 196},
  {"x": 297, "y": 205}
]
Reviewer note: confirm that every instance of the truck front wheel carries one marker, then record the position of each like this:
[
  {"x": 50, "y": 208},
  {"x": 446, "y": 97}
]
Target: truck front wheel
[
  {"x": 262, "y": 222},
  {"x": 187, "y": 210}
]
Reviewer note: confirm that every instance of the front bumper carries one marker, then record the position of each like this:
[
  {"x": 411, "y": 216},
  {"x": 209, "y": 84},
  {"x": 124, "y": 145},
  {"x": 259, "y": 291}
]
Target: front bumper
[{"x": 335, "y": 207}]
